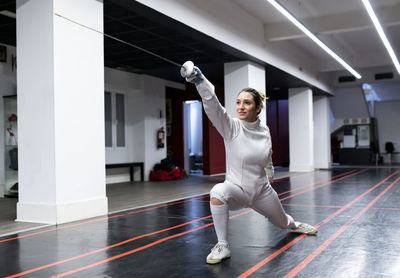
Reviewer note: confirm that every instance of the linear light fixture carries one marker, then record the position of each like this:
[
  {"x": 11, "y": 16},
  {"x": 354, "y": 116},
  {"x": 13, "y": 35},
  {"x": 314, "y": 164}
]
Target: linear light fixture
[
  {"x": 304, "y": 29},
  {"x": 381, "y": 33},
  {"x": 8, "y": 13}
]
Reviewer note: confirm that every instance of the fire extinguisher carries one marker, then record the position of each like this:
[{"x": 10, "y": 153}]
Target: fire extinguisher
[{"x": 160, "y": 138}]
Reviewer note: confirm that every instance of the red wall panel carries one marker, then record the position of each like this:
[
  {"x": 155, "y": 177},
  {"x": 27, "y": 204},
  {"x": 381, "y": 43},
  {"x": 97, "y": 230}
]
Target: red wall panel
[{"x": 278, "y": 123}]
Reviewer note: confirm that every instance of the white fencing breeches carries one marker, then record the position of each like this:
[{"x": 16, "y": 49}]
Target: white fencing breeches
[{"x": 263, "y": 199}]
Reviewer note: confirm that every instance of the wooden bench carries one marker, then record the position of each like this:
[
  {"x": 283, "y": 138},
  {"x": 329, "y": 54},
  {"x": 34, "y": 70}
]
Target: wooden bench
[{"x": 131, "y": 166}]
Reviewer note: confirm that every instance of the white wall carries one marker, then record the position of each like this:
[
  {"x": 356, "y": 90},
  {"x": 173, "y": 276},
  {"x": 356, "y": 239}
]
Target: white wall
[
  {"x": 368, "y": 76},
  {"x": 130, "y": 85},
  {"x": 8, "y": 86},
  {"x": 154, "y": 91},
  {"x": 138, "y": 97},
  {"x": 349, "y": 103},
  {"x": 388, "y": 121},
  {"x": 144, "y": 99}
]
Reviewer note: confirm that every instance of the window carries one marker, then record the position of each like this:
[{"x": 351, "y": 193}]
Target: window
[
  {"x": 108, "y": 118},
  {"x": 114, "y": 116}
]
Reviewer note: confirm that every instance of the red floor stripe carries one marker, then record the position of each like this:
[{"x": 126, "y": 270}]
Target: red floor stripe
[
  {"x": 160, "y": 206},
  {"x": 64, "y": 227},
  {"x": 312, "y": 184},
  {"x": 141, "y": 248},
  {"x": 282, "y": 179},
  {"x": 347, "y": 174},
  {"x": 326, "y": 220},
  {"x": 106, "y": 218},
  {"x": 105, "y": 248},
  {"x": 355, "y": 200},
  {"x": 325, "y": 206},
  {"x": 352, "y": 182},
  {"x": 387, "y": 208},
  {"x": 294, "y": 177},
  {"x": 324, "y": 245},
  {"x": 271, "y": 257},
  {"x": 322, "y": 185},
  {"x": 313, "y": 206},
  {"x": 161, "y": 240},
  {"x": 117, "y": 244},
  {"x": 96, "y": 220}
]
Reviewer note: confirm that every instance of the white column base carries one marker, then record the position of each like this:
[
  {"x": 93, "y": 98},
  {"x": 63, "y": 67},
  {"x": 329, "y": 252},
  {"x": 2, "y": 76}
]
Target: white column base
[
  {"x": 117, "y": 178},
  {"x": 61, "y": 213},
  {"x": 301, "y": 168},
  {"x": 323, "y": 165}
]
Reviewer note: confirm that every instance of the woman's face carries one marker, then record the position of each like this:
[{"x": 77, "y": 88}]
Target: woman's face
[{"x": 246, "y": 107}]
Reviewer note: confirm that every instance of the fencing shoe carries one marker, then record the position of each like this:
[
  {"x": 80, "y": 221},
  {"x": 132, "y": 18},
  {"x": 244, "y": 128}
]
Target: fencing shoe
[
  {"x": 303, "y": 228},
  {"x": 219, "y": 252}
]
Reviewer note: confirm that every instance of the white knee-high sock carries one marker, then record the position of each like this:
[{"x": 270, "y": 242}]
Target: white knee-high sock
[{"x": 220, "y": 214}]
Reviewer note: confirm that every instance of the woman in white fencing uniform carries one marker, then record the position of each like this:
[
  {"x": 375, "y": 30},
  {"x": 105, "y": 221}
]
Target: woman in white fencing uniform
[{"x": 249, "y": 165}]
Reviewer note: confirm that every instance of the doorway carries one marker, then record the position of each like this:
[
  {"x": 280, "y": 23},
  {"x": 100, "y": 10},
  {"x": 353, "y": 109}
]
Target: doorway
[{"x": 193, "y": 136}]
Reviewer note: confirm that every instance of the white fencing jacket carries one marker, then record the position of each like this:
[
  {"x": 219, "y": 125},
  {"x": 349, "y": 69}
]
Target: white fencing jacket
[{"x": 247, "y": 144}]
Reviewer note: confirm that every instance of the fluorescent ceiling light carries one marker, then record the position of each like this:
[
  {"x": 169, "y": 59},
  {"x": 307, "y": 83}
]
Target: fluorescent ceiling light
[
  {"x": 8, "y": 13},
  {"x": 379, "y": 29},
  {"x": 299, "y": 25}
]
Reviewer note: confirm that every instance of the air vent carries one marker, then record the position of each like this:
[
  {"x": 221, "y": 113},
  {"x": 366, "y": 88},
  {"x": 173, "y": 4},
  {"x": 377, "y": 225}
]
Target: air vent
[
  {"x": 385, "y": 75},
  {"x": 346, "y": 79}
]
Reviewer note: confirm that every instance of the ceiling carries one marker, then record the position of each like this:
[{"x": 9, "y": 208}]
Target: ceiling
[{"x": 342, "y": 24}]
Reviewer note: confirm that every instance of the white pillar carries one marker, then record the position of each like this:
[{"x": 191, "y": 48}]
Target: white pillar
[
  {"x": 239, "y": 75},
  {"x": 322, "y": 136},
  {"x": 60, "y": 111},
  {"x": 301, "y": 130}
]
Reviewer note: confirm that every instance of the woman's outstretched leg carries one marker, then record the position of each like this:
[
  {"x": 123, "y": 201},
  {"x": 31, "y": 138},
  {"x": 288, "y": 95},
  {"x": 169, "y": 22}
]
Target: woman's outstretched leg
[{"x": 269, "y": 205}]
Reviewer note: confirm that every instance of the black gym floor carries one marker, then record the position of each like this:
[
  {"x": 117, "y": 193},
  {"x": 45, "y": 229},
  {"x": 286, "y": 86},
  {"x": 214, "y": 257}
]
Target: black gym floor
[{"x": 355, "y": 210}]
